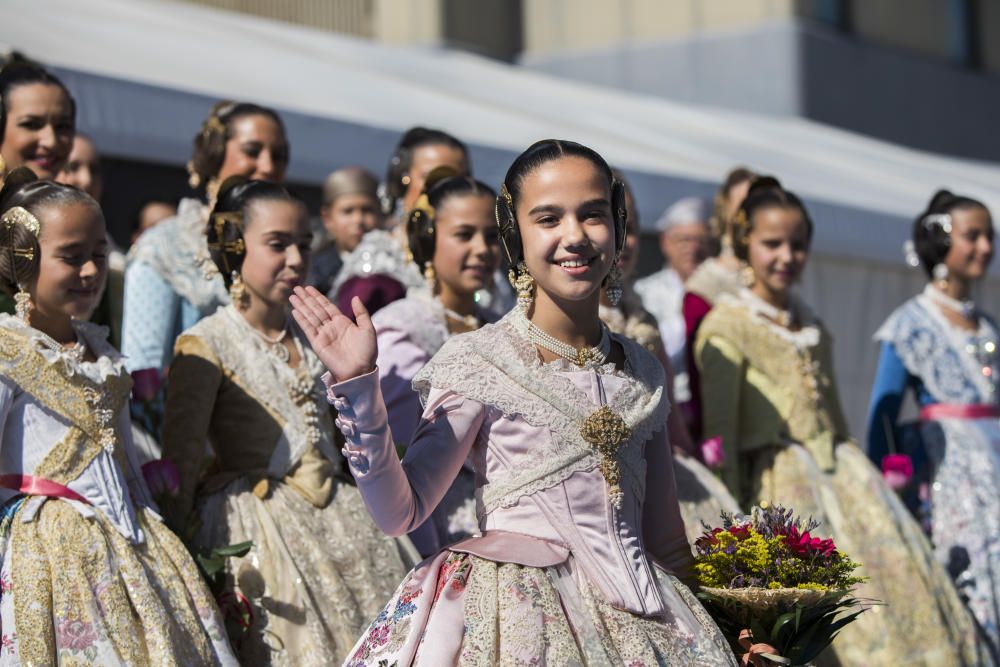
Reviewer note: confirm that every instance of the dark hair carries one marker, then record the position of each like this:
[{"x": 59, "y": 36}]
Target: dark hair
[
  {"x": 531, "y": 159},
  {"x": 402, "y": 159},
  {"x": 22, "y": 188},
  {"x": 209, "y": 145},
  {"x": 442, "y": 184},
  {"x": 765, "y": 192},
  {"x": 228, "y": 219},
  {"x": 932, "y": 228},
  {"x": 19, "y": 71},
  {"x": 717, "y": 224}
]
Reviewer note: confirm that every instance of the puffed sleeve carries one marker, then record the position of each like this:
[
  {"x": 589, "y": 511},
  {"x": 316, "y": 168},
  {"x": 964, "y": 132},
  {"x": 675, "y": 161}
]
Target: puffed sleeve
[
  {"x": 149, "y": 319},
  {"x": 662, "y": 525},
  {"x": 400, "y": 495},
  {"x": 721, "y": 364},
  {"x": 192, "y": 387}
]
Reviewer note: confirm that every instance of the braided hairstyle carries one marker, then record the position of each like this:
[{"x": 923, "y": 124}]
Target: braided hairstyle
[
  {"x": 20, "y": 254},
  {"x": 531, "y": 159},
  {"x": 765, "y": 192},
  {"x": 209, "y": 145},
  {"x": 397, "y": 174},
  {"x": 442, "y": 184},
  {"x": 228, "y": 221},
  {"x": 932, "y": 228}
]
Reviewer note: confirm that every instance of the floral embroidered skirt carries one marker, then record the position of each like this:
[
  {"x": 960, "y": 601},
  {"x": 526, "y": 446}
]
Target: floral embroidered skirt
[
  {"x": 75, "y": 592},
  {"x": 702, "y": 496},
  {"x": 923, "y": 622},
  {"x": 314, "y": 577},
  {"x": 460, "y": 609}
]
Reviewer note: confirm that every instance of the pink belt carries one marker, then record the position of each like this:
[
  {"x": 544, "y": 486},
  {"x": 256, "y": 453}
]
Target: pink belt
[
  {"x": 938, "y": 411},
  {"x": 38, "y": 486}
]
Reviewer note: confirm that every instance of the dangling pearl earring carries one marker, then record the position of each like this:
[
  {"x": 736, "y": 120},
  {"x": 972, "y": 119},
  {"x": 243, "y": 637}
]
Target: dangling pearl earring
[
  {"x": 940, "y": 273},
  {"x": 523, "y": 284},
  {"x": 22, "y": 304},
  {"x": 238, "y": 291},
  {"x": 747, "y": 276},
  {"x": 430, "y": 276}
]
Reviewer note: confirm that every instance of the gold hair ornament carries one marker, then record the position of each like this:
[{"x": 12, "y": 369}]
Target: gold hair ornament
[
  {"x": 423, "y": 207},
  {"x": 741, "y": 221},
  {"x": 19, "y": 215},
  {"x": 236, "y": 247}
]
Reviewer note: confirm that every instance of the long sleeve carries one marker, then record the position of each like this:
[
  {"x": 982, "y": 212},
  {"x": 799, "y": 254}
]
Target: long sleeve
[
  {"x": 400, "y": 495},
  {"x": 662, "y": 525},
  {"x": 891, "y": 379},
  {"x": 149, "y": 322},
  {"x": 721, "y": 365},
  {"x": 694, "y": 309},
  {"x": 399, "y": 360},
  {"x": 192, "y": 389}
]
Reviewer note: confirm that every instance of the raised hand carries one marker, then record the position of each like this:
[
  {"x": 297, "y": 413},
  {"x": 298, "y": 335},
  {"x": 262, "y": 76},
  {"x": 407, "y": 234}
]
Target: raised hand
[{"x": 345, "y": 348}]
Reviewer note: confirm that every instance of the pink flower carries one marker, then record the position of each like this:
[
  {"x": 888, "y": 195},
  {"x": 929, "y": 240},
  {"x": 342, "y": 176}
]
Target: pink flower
[
  {"x": 897, "y": 470},
  {"x": 712, "y": 453},
  {"x": 75, "y": 635},
  {"x": 804, "y": 544},
  {"x": 162, "y": 478},
  {"x": 145, "y": 384},
  {"x": 708, "y": 539}
]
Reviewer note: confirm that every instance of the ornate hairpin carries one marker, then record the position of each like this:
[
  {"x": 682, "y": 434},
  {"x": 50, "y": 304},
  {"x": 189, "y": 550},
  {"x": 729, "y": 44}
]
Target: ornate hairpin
[
  {"x": 940, "y": 220},
  {"x": 235, "y": 247},
  {"x": 18, "y": 215},
  {"x": 423, "y": 206},
  {"x": 213, "y": 125}
]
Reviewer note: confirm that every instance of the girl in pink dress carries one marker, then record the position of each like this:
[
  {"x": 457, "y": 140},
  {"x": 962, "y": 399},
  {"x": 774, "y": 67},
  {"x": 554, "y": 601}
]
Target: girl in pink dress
[{"x": 563, "y": 422}]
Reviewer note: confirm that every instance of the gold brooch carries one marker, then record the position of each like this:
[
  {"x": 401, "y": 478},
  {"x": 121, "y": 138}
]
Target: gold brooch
[{"x": 606, "y": 431}]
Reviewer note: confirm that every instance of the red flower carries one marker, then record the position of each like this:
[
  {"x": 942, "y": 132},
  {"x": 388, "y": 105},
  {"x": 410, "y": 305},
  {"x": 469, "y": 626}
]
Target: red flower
[
  {"x": 145, "y": 384},
  {"x": 803, "y": 544},
  {"x": 708, "y": 540},
  {"x": 897, "y": 470},
  {"x": 162, "y": 478},
  {"x": 741, "y": 532}
]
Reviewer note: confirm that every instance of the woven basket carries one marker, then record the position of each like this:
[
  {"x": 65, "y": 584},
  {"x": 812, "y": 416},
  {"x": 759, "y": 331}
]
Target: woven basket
[{"x": 762, "y": 599}]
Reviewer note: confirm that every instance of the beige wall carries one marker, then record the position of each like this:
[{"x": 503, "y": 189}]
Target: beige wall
[
  {"x": 353, "y": 17},
  {"x": 553, "y": 25}
]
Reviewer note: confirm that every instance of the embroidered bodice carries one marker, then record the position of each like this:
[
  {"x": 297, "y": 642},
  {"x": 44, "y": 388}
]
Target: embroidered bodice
[
  {"x": 543, "y": 490},
  {"x": 176, "y": 249},
  {"x": 260, "y": 416},
  {"x": 66, "y": 420},
  {"x": 947, "y": 360}
]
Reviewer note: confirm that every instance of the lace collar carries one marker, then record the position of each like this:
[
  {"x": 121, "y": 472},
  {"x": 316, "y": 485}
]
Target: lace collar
[
  {"x": 95, "y": 337},
  {"x": 807, "y": 336}
]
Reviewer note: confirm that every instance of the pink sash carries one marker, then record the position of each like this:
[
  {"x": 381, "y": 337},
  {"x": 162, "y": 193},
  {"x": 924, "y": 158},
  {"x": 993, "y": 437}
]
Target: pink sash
[
  {"x": 37, "y": 486},
  {"x": 937, "y": 411}
]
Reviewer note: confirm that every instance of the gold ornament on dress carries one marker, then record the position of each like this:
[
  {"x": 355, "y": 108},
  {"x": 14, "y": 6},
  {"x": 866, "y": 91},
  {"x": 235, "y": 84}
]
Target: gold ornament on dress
[{"x": 606, "y": 432}]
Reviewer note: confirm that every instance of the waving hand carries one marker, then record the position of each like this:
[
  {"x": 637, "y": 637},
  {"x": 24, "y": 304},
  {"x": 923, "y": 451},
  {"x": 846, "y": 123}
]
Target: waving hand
[{"x": 345, "y": 348}]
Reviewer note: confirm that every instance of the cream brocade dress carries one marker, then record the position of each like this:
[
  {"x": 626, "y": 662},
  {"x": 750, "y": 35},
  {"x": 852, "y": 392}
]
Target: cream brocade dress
[
  {"x": 97, "y": 582},
  {"x": 319, "y": 568},
  {"x": 770, "y": 394}
]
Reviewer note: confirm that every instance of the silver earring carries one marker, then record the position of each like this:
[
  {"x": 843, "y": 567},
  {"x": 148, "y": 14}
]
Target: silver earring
[{"x": 614, "y": 285}]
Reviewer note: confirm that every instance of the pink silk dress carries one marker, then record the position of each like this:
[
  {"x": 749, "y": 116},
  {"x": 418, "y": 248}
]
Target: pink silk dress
[{"x": 568, "y": 568}]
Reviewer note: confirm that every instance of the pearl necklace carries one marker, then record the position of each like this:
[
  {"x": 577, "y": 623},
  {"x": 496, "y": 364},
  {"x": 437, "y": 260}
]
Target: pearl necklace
[
  {"x": 966, "y": 309},
  {"x": 581, "y": 357},
  {"x": 274, "y": 345},
  {"x": 470, "y": 321}
]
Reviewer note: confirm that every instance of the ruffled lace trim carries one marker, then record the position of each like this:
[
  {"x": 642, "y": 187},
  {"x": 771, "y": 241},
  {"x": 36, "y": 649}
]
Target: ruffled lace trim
[
  {"x": 806, "y": 337},
  {"x": 268, "y": 379},
  {"x": 108, "y": 364},
  {"x": 931, "y": 348},
  {"x": 379, "y": 253},
  {"x": 499, "y": 367}
]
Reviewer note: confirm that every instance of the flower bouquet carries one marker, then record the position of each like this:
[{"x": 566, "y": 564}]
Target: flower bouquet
[{"x": 779, "y": 594}]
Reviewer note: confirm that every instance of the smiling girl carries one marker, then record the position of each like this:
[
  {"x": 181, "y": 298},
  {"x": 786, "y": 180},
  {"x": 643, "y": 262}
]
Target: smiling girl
[
  {"x": 89, "y": 574},
  {"x": 941, "y": 346},
  {"x": 454, "y": 241},
  {"x": 245, "y": 381},
  {"x": 563, "y": 422},
  {"x": 769, "y": 392}
]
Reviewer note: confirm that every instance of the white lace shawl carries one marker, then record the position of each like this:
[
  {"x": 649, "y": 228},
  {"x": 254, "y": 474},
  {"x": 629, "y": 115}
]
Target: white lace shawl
[
  {"x": 177, "y": 250},
  {"x": 499, "y": 367},
  {"x": 379, "y": 252},
  {"x": 422, "y": 317},
  {"x": 267, "y": 379},
  {"x": 932, "y": 349}
]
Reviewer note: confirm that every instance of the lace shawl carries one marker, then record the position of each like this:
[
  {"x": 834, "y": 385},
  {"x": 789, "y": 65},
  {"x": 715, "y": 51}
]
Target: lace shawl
[
  {"x": 246, "y": 358},
  {"x": 422, "y": 318},
  {"x": 711, "y": 280},
  {"x": 379, "y": 253},
  {"x": 933, "y": 350},
  {"x": 177, "y": 250},
  {"x": 499, "y": 367}
]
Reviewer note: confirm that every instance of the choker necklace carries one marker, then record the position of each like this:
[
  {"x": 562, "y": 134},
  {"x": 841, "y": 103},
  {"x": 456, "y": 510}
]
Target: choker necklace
[
  {"x": 761, "y": 307},
  {"x": 470, "y": 321},
  {"x": 581, "y": 357},
  {"x": 966, "y": 309}
]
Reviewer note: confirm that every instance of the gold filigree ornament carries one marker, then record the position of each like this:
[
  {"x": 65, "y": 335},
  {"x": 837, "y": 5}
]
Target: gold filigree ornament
[
  {"x": 524, "y": 284},
  {"x": 103, "y": 415},
  {"x": 18, "y": 215},
  {"x": 607, "y": 432}
]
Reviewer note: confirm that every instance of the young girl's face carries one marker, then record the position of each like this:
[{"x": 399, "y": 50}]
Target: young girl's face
[
  {"x": 567, "y": 229},
  {"x": 971, "y": 248},
  {"x": 39, "y": 129},
  {"x": 278, "y": 239},
  {"x": 778, "y": 247},
  {"x": 73, "y": 263},
  {"x": 349, "y": 218},
  {"x": 257, "y": 149},
  {"x": 466, "y": 243}
]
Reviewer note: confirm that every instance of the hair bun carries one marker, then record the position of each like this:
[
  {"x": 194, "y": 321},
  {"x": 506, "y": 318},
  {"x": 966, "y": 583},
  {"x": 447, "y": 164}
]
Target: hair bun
[
  {"x": 762, "y": 183},
  {"x": 229, "y": 186},
  {"x": 941, "y": 200},
  {"x": 13, "y": 182}
]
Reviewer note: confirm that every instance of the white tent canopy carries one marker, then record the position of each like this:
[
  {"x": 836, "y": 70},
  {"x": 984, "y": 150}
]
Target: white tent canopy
[{"x": 145, "y": 72}]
